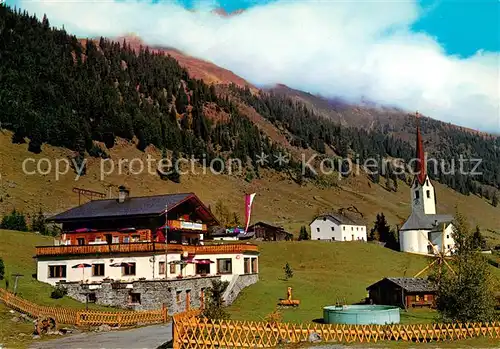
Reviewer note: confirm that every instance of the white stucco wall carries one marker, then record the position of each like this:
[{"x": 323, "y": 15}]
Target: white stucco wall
[
  {"x": 413, "y": 241},
  {"x": 425, "y": 202},
  {"x": 146, "y": 267},
  {"x": 326, "y": 228},
  {"x": 416, "y": 241}
]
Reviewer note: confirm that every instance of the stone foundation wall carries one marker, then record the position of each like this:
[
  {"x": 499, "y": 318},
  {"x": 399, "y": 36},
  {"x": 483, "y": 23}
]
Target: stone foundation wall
[
  {"x": 237, "y": 285},
  {"x": 151, "y": 294}
]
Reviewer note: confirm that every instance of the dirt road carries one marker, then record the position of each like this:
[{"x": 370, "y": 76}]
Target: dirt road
[{"x": 148, "y": 337}]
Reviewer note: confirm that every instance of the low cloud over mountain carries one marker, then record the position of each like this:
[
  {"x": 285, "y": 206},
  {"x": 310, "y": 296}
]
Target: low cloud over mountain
[{"x": 352, "y": 50}]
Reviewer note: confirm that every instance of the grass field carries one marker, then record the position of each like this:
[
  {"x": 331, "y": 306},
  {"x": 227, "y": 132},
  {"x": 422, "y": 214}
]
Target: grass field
[{"x": 324, "y": 273}]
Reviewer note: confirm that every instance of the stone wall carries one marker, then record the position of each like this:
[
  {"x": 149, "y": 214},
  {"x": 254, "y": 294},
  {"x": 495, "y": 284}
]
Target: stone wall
[
  {"x": 151, "y": 294},
  {"x": 238, "y": 283}
]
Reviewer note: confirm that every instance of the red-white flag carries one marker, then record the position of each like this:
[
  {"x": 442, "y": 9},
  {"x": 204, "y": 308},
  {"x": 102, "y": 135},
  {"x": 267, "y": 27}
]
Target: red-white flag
[{"x": 248, "y": 209}]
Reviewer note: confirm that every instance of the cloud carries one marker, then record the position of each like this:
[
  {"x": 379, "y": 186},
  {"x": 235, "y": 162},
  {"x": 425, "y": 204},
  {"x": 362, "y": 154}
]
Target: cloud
[{"x": 352, "y": 50}]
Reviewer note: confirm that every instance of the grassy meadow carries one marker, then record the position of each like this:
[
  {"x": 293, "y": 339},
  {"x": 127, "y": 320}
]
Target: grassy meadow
[{"x": 324, "y": 273}]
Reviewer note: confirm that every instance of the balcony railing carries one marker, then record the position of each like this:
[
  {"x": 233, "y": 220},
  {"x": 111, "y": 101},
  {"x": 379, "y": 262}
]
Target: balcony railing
[
  {"x": 185, "y": 225},
  {"x": 143, "y": 247}
]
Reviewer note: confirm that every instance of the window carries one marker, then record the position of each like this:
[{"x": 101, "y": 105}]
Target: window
[
  {"x": 129, "y": 269},
  {"x": 447, "y": 236},
  {"x": 254, "y": 266},
  {"x": 333, "y": 228},
  {"x": 417, "y": 298},
  {"x": 116, "y": 240},
  {"x": 161, "y": 268},
  {"x": 135, "y": 238},
  {"x": 345, "y": 238},
  {"x": 427, "y": 182},
  {"x": 317, "y": 229},
  {"x": 80, "y": 241},
  {"x": 57, "y": 271},
  {"x": 173, "y": 269},
  {"x": 92, "y": 297},
  {"x": 126, "y": 239},
  {"x": 352, "y": 228},
  {"x": 246, "y": 266},
  {"x": 224, "y": 266},
  {"x": 97, "y": 269},
  {"x": 343, "y": 228},
  {"x": 449, "y": 247},
  {"x": 202, "y": 269},
  {"x": 357, "y": 228},
  {"x": 417, "y": 194},
  {"x": 134, "y": 298},
  {"x": 333, "y": 238},
  {"x": 426, "y": 298},
  {"x": 428, "y": 192}
]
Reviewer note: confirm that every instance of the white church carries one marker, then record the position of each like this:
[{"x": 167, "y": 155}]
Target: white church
[{"x": 425, "y": 232}]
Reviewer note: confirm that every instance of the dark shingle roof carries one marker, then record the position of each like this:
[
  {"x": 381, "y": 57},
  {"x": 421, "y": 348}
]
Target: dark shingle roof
[
  {"x": 423, "y": 221},
  {"x": 411, "y": 284},
  {"x": 134, "y": 206},
  {"x": 342, "y": 219}
]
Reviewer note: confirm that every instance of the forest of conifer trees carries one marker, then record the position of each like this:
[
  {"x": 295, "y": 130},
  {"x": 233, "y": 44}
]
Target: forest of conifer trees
[{"x": 58, "y": 90}]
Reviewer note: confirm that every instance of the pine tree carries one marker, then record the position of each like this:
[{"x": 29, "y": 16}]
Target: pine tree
[
  {"x": 2, "y": 269},
  {"x": 288, "y": 271},
  {"x": 467, "y": 295},
  {"x": 303, "y": 235},
  {"x": 494, "y": 200},
  {"x": 38, "y": 224},
  {"x": 214, "y": 305},
  {"x": 478, "y": 241}
]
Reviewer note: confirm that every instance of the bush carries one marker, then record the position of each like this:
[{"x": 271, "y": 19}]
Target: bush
[
  {"x": 14, "y": 221},
  {"x": 59, "y": 292}
]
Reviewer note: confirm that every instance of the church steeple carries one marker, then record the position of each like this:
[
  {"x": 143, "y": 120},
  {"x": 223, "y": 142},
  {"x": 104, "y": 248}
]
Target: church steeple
[
  {"x": 422, "y": 191},
  {"x": 421, "y": 166}
]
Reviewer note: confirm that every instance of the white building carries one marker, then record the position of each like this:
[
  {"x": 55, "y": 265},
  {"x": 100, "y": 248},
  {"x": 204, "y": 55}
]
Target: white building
[
  {"x": 152, "y": 244},
  {"x": 335, "y": 227},
  {"x": 59, "y": 263},
  {"x": 425, "y": 232}
]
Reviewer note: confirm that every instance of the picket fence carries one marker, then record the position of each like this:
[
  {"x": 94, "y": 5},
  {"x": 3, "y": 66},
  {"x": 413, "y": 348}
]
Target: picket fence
[
  {"x": 190, "y": 331},
  {"x": 83, "y": 317}
]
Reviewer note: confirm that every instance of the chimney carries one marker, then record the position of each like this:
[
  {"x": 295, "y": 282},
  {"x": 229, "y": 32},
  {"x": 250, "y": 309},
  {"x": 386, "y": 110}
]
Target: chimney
[{"x": 123, "y": 194}]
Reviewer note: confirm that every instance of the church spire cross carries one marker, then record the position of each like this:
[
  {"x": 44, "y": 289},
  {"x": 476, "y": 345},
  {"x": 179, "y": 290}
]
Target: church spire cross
[{"x": 421, "y": 166}]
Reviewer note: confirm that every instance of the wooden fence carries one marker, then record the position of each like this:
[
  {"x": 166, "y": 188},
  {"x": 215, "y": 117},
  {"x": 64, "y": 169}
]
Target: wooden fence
[
  {"x": 83, "y": 317},
  {"x": 193, "y": 332}
]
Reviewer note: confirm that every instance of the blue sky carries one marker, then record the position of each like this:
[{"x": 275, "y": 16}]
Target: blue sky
[{"x": 440, "y": 57}]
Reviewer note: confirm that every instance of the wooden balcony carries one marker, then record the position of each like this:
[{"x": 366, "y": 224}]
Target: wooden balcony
[
  {"x": 185, "y": 225},
  {"x": 144, "y": 247}
]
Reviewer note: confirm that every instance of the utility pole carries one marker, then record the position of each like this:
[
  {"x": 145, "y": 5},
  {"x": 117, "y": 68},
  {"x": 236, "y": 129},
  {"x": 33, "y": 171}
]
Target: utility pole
[
  {"x": 15, "y": 282},
  {"x": 166, "y": 240}
]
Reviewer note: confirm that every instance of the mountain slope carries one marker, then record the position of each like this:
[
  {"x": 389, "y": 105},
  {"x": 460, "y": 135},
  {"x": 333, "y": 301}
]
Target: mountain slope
[{"x": 89, "y": 101}]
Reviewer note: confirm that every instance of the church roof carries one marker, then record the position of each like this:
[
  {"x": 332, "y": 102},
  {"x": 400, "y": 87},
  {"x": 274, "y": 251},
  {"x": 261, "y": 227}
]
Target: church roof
[{"x": 433, "y": 222}]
